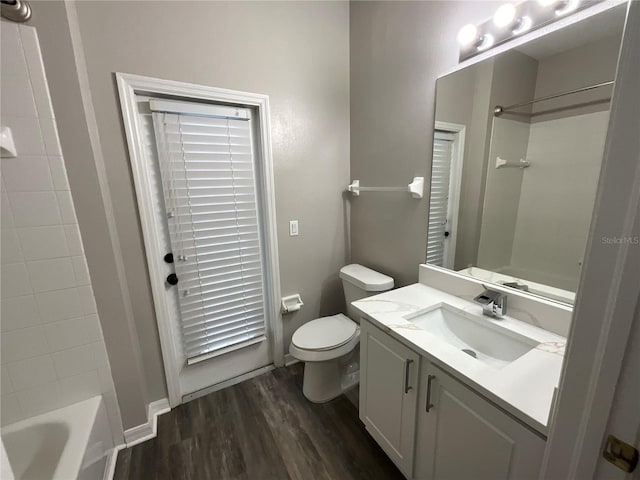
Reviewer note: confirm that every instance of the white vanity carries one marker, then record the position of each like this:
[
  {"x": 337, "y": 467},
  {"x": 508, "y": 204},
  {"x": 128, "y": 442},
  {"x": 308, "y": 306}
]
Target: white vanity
[{"x": 449, "y": 393}]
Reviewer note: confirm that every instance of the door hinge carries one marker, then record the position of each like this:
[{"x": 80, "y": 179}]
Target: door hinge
[{"x": 621, "y": 454}]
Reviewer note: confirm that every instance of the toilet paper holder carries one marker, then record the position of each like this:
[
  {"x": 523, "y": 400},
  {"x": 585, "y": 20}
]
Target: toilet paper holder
[{"x": 291, "y": 303}]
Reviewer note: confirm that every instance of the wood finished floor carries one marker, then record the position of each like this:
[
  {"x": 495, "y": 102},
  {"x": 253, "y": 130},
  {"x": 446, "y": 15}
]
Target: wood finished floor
[{"x": 261, "y": 429}]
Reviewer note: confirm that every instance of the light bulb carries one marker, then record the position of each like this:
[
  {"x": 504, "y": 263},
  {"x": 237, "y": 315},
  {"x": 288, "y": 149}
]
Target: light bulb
[
  {"x": 504, "y": 15},
  {"x": 467, "y": 35},
  {"x": 522, "y": 25},
  {"x": 568, "y": 6},
  {"x": 485, "y": 42}
]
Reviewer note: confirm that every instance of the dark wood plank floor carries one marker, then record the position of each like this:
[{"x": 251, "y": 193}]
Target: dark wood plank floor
[{"x": 261, "y": 429}]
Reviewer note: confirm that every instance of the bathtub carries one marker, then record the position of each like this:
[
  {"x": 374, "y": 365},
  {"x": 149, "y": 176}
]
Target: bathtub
[{"x": 73, "y": 442}]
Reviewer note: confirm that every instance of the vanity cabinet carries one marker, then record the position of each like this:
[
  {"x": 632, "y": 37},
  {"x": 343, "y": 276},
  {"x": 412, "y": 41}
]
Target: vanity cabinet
[
  {"x": 432, "y": 425},
  {"x": 389, "y": 394},
  {"x": 463, "y": 435}
]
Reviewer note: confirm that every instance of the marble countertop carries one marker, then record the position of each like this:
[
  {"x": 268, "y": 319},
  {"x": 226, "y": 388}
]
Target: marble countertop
[{"x": 524, "y": 387}]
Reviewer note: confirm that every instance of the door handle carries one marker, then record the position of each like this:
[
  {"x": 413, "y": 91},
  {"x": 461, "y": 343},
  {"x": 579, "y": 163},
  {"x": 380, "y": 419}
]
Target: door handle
[
  {"x": 429, "y": 404},
  {"x": 407, "y": 365},
  {"x": 172, "y": 279}
]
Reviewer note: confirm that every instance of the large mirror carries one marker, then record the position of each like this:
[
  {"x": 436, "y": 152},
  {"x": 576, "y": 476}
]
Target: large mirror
[{"x": 517, "y": 150}]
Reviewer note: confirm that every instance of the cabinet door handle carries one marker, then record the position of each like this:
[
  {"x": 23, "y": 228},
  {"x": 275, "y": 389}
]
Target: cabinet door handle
[
  {"x": 429, "y": 380},
  {"x": 407, "y": 364}
]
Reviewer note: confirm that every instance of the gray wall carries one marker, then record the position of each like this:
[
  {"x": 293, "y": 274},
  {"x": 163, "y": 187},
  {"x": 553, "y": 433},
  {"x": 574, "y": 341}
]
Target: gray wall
[
  {"x": 298, "y": 54},
  {"x": 397, "y": 51}
]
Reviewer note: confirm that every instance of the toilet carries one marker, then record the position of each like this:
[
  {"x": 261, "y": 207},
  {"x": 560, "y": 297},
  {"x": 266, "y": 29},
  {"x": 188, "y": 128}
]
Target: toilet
[{"x": 329, "y": 346}]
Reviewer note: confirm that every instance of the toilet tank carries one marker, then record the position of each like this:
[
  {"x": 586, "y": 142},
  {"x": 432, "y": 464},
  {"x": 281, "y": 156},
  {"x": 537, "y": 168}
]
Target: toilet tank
[{"x": 360, "y": 282}]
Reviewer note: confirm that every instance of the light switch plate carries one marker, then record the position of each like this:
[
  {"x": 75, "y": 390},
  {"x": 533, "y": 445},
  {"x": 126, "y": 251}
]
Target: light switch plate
[{"x": 293, "y": 228}]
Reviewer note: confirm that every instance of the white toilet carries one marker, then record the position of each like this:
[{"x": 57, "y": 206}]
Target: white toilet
[{"x": 329, "y": 345}]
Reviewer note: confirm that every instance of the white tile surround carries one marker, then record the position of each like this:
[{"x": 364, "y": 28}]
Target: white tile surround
[{"x": 52, "y": 350}]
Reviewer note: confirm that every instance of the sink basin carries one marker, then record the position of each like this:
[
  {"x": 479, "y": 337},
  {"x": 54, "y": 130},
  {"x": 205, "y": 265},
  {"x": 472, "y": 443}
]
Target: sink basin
[{"x": 477, "y": 336}]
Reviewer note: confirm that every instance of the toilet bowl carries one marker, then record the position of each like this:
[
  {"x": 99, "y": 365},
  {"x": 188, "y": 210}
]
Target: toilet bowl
[{"x": 329, "y": 346}]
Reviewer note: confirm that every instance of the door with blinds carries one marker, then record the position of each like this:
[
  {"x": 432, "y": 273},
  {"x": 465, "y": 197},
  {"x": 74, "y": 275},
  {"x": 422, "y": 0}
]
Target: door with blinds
[
  {"x": 209, "y": 209},
  {"x": 440, "y": 232}
]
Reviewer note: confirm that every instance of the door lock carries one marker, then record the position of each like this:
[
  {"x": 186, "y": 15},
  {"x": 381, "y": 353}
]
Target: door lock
[{"x": 621, "y": 454}]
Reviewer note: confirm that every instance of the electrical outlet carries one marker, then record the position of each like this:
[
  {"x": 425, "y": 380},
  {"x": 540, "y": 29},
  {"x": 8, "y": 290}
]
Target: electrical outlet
[{"x": 293, "y": 228}]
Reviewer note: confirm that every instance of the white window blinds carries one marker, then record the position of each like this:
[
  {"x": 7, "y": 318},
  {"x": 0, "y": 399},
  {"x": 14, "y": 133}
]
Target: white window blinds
[
  {"x": 208, "y": 175},
  {"x": 439, "y": 198}
]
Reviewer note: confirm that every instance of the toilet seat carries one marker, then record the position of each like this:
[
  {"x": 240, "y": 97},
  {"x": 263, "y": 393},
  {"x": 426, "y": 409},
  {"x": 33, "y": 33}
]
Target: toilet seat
[
  {"x": 325, "y": 333},
  {"x": 325, "y": 338}
]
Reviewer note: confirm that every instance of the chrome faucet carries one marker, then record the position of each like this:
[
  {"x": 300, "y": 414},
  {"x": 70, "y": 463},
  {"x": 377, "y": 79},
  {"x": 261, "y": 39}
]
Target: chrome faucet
[{"x": 494, "y": 304}]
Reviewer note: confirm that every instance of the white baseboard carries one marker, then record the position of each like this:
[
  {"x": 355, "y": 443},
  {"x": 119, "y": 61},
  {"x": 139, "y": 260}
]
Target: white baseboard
[
  {"x": 146, "y": 431},
  {"x": 289, "y": 359},
  {"x": 112, "y": 457}
]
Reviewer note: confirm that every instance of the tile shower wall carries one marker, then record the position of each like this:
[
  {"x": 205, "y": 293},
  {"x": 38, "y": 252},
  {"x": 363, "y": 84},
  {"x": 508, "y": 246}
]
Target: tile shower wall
[{"x": 52, "y": 350}]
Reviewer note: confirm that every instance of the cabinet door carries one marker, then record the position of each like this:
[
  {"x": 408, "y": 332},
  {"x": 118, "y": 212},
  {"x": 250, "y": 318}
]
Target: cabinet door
[
  {"x": 464, "y": 436},
  {"x": 388, "y": 394}
]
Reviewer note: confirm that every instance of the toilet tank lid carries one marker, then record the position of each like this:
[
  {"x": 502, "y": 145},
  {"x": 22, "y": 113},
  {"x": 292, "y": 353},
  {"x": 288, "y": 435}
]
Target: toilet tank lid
[{"x": 365, "y": 278}]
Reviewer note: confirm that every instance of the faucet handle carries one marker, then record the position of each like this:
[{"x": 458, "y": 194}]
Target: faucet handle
[
  {"x": 487, "y": 297},
  {"x": 494, "y": 304}
]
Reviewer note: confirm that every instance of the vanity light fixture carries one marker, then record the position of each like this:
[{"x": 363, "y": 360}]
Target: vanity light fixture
[
  {"x": 567, "y": 6},
  {"x": 467, "y": 35},
  {"x": 522, "y": 25},
  {"x": 505, "y": 15},
  {"x": 513, "y": 19},
  {"x": 485, "y": 42}
]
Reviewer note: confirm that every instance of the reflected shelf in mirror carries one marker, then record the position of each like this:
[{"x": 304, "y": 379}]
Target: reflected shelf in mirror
[
  {"x": 551, "y": 97},
  {"x": 502, "y": 163}
]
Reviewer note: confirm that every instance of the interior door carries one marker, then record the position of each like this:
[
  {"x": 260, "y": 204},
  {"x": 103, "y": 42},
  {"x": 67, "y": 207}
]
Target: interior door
[
  {"x": 203, "y": 168},
  {"x": 439, "y": 231},
  {"x": 624, "y": 416}
]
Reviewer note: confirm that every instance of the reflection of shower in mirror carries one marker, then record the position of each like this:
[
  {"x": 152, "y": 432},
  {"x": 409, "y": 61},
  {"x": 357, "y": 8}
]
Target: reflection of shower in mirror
[{"x": 542, "y": 104}]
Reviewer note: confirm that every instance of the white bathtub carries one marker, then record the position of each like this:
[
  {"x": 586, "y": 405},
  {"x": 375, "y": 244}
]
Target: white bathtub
[{"x": 65, "y": 444}]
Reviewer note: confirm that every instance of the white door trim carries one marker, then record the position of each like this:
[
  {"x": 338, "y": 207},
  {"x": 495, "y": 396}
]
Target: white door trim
[
  {"x": 457, "y": 158},
  {"x": 609, "y": 286},
  {"x": 128, "y": 86}
]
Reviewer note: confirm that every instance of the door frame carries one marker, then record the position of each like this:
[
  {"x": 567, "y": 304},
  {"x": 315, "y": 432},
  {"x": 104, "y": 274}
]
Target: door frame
[
  {"x": 128, "y": 86},
  {"x": 609, "y": 285},
  {"x": 457, "y": 159}
]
